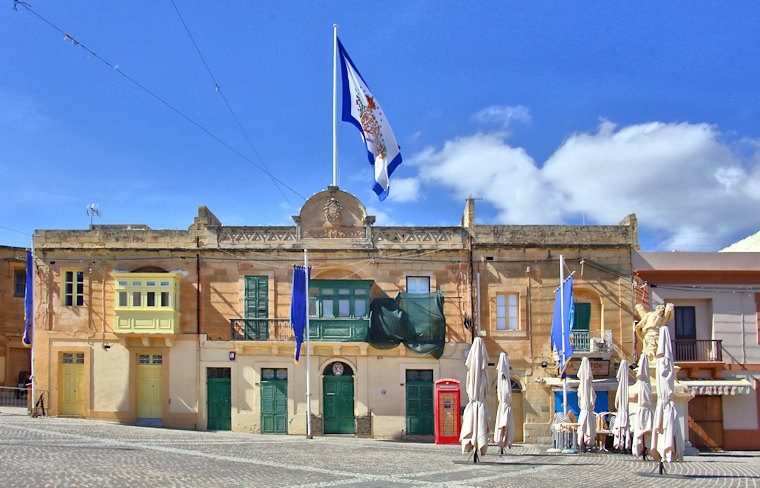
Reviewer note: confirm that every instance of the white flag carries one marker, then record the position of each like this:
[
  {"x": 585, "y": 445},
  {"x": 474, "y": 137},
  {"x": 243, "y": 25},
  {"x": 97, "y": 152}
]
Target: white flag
[{"x": 361, "y": 108}]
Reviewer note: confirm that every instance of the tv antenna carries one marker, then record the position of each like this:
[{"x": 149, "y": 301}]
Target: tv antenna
[{"x": 92, "y": 211}]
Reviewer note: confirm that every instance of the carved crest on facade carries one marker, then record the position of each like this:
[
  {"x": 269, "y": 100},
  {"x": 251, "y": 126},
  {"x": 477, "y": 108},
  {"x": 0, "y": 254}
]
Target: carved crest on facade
[{"x": 333, "y": 210}]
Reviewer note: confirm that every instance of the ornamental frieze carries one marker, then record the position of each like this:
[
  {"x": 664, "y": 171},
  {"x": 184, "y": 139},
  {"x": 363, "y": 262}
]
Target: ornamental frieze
[{"x": 333, "y": 233}]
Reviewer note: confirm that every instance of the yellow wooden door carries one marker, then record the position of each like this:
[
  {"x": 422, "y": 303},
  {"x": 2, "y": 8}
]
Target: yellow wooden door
[
  {"x": 517, "y": 408},
  {"x": 517, "y": 413},
  {"x": 149, "y": 387},
  {"x": 71, "y": 393}
]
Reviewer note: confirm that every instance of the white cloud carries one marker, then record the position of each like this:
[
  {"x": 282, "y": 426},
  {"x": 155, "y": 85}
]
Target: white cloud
[
  {"x": 404, "y": 190},
  {"x": 503, "y": 115},
  {"x": 686, "y": 185}
]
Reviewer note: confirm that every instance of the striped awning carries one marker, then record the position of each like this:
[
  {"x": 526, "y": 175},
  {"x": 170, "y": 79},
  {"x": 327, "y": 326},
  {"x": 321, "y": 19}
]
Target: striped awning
[{"x": 718, "y": 387}]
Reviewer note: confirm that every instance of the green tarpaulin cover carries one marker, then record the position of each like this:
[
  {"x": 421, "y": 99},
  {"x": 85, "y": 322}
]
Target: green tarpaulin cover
[{"x": 414, "y": 319}]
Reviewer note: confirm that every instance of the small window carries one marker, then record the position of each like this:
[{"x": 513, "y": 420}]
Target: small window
[
  {"x": 73, "y": 288},
  {"x": 507, "y": 311},
  {"x": 151, "y": 299},
  {"x": 219, "y": 372},
  {"x": 19, "y": 283},
  {"x": 417, "y": 284},
  {"x": 419, "y": 375},
  {"x": 268, "y": 374}
]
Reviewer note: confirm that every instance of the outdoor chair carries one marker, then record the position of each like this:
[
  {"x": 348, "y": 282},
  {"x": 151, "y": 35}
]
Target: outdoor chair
[{"x": 604, "y": 420}]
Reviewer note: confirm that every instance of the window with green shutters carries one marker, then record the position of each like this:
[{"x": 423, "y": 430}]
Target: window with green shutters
[
  {"x": 256, "y": 297},
  {"x": 256, "y": 307}
]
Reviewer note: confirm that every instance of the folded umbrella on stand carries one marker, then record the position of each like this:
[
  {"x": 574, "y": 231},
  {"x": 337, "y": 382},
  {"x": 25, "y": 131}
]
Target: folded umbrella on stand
[
  {"x": 474, "y": 434},
  {"x": 504, "y": 426},
  {"x": 621, "y": 428},
  {"x": 586, "y": 400},
  {"x": 667, "y": 440},
  {"x": 642, "y": 429}
]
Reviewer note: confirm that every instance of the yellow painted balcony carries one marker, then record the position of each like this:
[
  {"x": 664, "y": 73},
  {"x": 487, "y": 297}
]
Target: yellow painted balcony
[
  {"x": 147, "y": 322},
  {"x": 146, "y": 303}
]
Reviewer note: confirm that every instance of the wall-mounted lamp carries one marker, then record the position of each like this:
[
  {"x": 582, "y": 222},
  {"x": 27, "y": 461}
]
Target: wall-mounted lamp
[{"x": 544, "y": 364}]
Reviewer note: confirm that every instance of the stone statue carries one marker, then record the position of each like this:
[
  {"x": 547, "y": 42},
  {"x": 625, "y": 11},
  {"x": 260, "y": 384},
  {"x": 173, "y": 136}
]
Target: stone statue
[{"x": 648, "y": 327}]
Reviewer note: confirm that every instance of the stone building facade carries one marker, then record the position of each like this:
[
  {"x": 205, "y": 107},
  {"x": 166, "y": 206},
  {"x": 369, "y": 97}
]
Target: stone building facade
[
  {"x": 715, "y": 330},
  {"x": 15, "y": 358},
  {"x": 191, "y": 329}
]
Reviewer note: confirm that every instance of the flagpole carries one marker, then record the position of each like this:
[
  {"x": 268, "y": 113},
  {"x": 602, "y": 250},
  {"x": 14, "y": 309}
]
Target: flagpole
[
  {"x": 308, "y": 355},
  {"x": 563, "y": 365},
  {"x": 335, "y": 106},
  {"x": 31, "y": 325}
]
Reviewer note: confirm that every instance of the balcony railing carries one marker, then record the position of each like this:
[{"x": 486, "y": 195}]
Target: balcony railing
[
  {"x": 586, "y": 341},
  {"x": 260, "y": 329},
  {"x": 333, "y": 329},
  {"x": 698, "y": 350}
]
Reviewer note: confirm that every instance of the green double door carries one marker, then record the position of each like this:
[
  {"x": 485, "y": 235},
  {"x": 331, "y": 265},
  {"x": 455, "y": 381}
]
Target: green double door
[
  {"x": 274, "y": 401},
  {"x": 338, "y": 404},
  {"x": 219, "y": 396},
  {"x": 420, "y": 419}
]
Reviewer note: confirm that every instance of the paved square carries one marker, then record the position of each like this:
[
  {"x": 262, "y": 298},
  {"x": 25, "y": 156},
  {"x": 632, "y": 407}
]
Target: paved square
[{"x": 73, "y": 452}]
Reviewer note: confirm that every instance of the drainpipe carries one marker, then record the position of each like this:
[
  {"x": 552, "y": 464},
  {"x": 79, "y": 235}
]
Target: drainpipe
[
  {"x": 197, "y": 293},
  {"x": 472, "y": 289},
  {"x": 198, "y": 337}
]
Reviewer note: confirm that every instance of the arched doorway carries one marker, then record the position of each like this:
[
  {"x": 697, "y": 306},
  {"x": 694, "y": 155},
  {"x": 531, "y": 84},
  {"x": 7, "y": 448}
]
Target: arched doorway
[
  {"x": 338, "y": 398},
  {"x": 517, "y": 407}
]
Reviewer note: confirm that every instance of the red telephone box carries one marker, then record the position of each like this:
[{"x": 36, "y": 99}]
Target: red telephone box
[{"x": 448, "y": 420}]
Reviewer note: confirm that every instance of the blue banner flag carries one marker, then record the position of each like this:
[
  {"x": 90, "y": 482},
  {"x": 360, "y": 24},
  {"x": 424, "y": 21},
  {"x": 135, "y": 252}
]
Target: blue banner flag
[
  {"x": 298, "y": 304},
  {"x": 28, "y": 299},
  {"x": 562, "y": 323},
  {"x": 362, "y": 109}
]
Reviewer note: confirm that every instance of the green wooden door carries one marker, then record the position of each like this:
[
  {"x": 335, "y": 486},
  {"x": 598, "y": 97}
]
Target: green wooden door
[
  {"x": 338, "y": 404},
  {"x": 256, "y": 307},
  {"x": 582, "y": 316},
  {"x": 219, "y": 399},
  {"x": 274, "y": 401},
  {"x": 419, "y": 403}
]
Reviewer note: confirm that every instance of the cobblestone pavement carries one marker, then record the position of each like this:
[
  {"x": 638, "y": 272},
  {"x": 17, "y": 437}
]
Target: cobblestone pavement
[{"x": 45, "y": 452}]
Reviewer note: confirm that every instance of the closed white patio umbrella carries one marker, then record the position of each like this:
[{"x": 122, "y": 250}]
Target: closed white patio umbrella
[
  {"x": 504, "y": 426},
  {"x": 622, "y": 427},
  {"x": 474, "y": 434},
  {"x": 666, "y": 442},
  {"x": 642, "y": 429},
  {"x": 586, "y": 400}
]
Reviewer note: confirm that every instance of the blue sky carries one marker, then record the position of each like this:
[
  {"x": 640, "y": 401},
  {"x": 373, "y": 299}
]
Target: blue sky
[{"x": 546, "y": 112}]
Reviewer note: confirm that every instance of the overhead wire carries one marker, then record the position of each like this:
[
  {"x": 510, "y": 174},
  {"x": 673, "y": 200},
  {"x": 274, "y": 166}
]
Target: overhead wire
[
  {"x": 177, "y": 111},
  {"x": 218, "y": 89}
]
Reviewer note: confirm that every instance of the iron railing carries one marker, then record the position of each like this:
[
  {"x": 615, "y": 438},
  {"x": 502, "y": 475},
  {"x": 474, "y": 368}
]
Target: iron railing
[
  {"x": 586, "y": 341},
  {"x": 21, "y": 398},
  {"x": 705, "y": 350},
  {"x": 242, "y": 329},
  {"x": 331, "y": 330}
]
